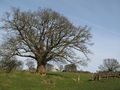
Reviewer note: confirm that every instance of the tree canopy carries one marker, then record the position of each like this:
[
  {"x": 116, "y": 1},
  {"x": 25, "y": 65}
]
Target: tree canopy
[{"x": 44, "y": 35}]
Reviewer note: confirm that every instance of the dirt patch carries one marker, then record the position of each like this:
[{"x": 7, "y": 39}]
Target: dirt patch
[{"x": 5, "y": 84}]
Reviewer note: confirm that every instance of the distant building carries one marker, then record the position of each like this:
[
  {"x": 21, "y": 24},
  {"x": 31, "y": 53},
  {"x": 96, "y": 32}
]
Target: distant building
[
  {"x": 61, "y": 68},
  {"x": 49, "y": 67},
  {"x": 55, "y": 70},
  {"x": 70, "y": 67}
]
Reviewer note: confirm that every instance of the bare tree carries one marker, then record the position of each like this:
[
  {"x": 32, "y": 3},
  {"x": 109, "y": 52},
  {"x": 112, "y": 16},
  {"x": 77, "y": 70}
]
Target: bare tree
[
  {"x": 7, "y": 59},
  {"x": 45, "y": 35},
  {"x": 31, "y": 65},
  {"x": 10, "y": 63},
  {"x": 109, "y": 65}
]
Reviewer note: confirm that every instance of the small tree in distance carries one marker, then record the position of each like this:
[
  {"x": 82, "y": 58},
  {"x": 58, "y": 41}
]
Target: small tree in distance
[
  {"x": 7, "y": 59},
  {"x": 109, "y": 65},
  {"x": 10, "y": 63}
]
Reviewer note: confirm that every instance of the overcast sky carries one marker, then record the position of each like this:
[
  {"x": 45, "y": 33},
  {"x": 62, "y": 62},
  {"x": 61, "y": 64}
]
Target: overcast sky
[{"x": 103, "y": 16}]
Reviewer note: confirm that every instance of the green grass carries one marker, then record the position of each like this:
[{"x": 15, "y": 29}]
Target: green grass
[{"x": 54, "y": 81}]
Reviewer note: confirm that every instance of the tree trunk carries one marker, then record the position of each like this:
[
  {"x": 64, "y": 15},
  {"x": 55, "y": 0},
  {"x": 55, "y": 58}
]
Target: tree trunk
[{"x": 41, "y": 69}]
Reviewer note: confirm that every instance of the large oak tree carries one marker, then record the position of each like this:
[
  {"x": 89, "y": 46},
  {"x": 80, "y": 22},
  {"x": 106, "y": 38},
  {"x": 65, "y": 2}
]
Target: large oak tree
[{"x": 44, "y": 35}]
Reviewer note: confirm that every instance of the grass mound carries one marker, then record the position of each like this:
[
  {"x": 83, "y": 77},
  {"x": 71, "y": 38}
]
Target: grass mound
[{"x": 55, "y": 81}]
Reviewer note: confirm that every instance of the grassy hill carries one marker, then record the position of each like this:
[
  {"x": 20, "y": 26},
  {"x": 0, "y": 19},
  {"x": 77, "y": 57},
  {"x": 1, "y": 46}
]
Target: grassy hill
[{"x": 55, "y": 81}]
